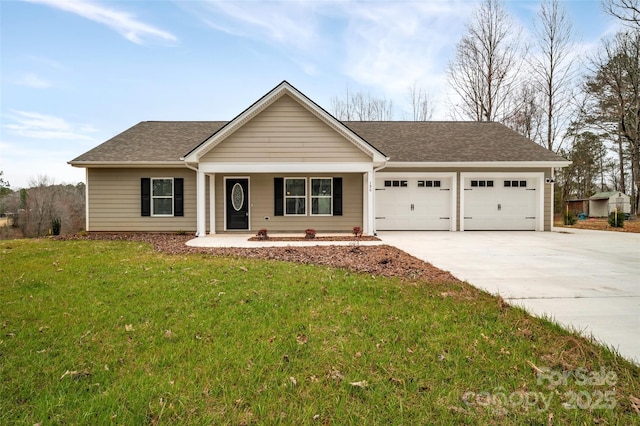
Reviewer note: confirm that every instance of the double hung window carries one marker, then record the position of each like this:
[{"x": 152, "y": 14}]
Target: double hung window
[
  {"x": 321, "y": 196},
  {"x": 295, "y": 194}
]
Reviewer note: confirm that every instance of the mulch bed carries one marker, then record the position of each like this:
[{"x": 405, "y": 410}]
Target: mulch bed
[{"x": 377, "y": 260}]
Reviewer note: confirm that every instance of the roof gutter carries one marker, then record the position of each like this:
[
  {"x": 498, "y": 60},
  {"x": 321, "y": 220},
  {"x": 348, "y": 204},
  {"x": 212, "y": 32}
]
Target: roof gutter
[
  {"x": 131, "y": 164},
  {"x": 467, "y": 164}
]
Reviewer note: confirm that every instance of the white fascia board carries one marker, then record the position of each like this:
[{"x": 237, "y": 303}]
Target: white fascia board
[
  {"x": 484, "y": 164},
  {"x": 284, "y": 167},
  {"x": 128, "y": 164},
  {"x": 488, "y": 174}
]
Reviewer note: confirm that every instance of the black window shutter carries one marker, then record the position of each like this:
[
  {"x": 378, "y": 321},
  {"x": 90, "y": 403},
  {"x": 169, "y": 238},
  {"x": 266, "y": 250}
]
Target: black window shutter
[
  {"x": 178, "y": 197},
  {"x": 145, "y": 197},
  {"x": 337, "y": 196},
  {"x": 278, "y": 196}
]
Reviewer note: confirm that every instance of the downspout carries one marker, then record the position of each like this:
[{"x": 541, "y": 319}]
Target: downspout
[{"x": 195, "y": 169}]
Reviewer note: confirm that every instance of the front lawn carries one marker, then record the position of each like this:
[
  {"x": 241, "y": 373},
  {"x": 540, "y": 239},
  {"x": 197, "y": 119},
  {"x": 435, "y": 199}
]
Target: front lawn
[{"x": 96, "y": 332}]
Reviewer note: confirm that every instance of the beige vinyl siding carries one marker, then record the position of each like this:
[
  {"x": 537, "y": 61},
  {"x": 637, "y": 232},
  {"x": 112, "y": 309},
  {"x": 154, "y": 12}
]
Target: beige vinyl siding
[
  {"x": 285, "y": 132},
  {"x": 261, "y": 201},
  {"x": 114, "y": 200}
]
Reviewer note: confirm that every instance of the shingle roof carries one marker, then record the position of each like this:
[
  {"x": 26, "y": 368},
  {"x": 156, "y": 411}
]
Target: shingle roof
[
  {"x": 401, "y": 141},
  {"x": 603, "y": 195},
  {"x": 449, "y": 141},
  {"x": 153, "y": 141}
]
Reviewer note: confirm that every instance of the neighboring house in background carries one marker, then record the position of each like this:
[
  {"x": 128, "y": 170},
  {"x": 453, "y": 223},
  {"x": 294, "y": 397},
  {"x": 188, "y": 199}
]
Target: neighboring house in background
[
  {"x": 578, "y": 206},
  {"x": 603, "y": 203},
  {"x": 286, "y": 164}
]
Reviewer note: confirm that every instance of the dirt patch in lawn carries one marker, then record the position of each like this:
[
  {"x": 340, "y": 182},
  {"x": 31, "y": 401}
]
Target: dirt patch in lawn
[{"x": 378, "y": 260}]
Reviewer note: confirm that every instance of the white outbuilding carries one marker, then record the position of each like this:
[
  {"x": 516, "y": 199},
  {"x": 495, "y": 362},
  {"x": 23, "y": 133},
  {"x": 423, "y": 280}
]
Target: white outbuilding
[{"x": 603, "y": 203}]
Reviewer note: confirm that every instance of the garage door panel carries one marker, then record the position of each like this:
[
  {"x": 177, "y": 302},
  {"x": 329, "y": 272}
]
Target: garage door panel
[
  {"x": 510, "y": 203},
  {"x": 432, "y": 209},
  {"x": 422, "y": 204}
]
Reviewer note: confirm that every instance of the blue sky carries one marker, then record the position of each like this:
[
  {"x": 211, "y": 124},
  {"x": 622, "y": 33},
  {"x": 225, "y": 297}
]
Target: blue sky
[{"x": 75, "y": 73}]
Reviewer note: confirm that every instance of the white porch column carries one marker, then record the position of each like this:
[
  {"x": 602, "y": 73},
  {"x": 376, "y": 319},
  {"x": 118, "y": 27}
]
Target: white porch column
[
  {"x": 212, "y": 204},
  {"x": 201, "y": 213},
  {"x": 368, "y": 207}
]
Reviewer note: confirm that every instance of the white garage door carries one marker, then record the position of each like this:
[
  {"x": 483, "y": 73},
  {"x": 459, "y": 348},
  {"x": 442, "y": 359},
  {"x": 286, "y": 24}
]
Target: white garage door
[
  {"x": 508, "y": 203},
  {"x": 422, "y": 203}
]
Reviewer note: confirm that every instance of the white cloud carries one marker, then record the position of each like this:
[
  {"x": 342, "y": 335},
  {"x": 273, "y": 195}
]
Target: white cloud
[
  {"x": 391, "y": 46},
  {"x": 287, "y": 23},
  {"x": 385, "y": 45},
  {"x": 41, "y": 126},
  {"x": 33, "y": 81},
  {"x": 124, "y": 23}
]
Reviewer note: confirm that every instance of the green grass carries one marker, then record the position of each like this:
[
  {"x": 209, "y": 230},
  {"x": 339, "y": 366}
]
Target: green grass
[{"x": 96, "y": 332}]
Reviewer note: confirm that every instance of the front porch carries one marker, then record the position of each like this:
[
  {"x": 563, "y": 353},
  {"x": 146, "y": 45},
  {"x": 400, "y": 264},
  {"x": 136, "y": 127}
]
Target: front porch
[
  {"x": 242, "y": 240},
  {"x": 220, "y": 208}
]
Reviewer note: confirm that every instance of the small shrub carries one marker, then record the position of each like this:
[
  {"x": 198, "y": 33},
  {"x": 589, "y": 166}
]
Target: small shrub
[
  {"x": 616, "y": 219},
  {"x": 570, "y": 218},
  {"x": 310, "y": 233},
  {"x": 357, "y": 231},
  {"x": 56, "y": 225},
  {"x": 262, "y": 234},
  {"x": 181, "y": 232}
]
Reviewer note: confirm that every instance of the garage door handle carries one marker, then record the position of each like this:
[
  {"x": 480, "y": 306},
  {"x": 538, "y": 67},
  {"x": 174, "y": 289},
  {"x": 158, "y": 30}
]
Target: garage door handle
[
  {"x": 411, "y": 207},
  {"x": 499, "y": 207}
]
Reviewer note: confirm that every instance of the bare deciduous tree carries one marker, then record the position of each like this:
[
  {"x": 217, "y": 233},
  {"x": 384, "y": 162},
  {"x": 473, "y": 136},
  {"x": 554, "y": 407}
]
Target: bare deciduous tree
[
  {"x": 554, "y": 70},
  {"x": 37, "y": 206},
  {"x": 421, "y": 103},
  {"x": 614, "y": 86},
  {"x": 484, "y": 72},
  {"x": 527, "y": 115},
  {"x": 628, "y": 11},
  {"x": 361, "y": 107}
]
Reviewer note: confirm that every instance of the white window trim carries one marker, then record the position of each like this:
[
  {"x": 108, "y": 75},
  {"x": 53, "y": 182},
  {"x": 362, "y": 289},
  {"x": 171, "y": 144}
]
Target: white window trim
[
  {"x": 311, "y": 196},
  {"x": 172, "y": 197},
  {"x": 286, "y": 197}
]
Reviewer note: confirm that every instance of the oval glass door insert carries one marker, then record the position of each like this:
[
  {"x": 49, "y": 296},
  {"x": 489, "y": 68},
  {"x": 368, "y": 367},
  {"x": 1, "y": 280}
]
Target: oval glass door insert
[{"x": 237, "y": 196}]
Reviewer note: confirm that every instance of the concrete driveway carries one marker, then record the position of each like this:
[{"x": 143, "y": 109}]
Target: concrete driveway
[{"x": 585, "y": 280}]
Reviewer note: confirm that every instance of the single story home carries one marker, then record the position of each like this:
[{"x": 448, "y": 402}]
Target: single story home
[
  {"x": 286, "y": 164},
  {"x": 603, "y": 203}
]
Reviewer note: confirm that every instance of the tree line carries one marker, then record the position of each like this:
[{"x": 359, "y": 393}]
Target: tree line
[
  {"x": 586, "y": 109},
  {"x": 43, "y": 208}
]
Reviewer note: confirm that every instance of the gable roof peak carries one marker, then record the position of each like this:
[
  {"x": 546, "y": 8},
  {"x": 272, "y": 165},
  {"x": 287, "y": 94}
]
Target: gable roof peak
[{"x": 268, "y": 99}]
